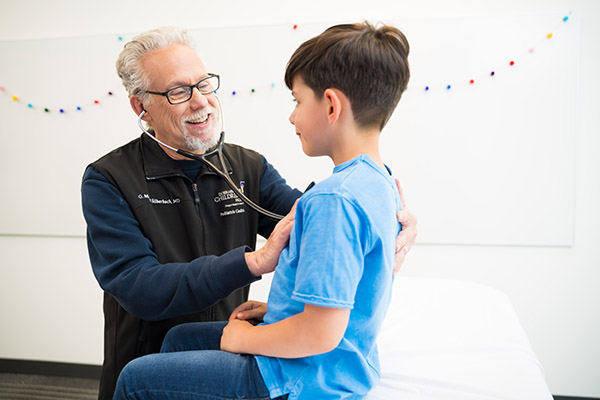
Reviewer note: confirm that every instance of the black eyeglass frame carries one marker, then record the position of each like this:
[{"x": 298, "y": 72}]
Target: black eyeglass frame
[{"x": 191, "y": 89}]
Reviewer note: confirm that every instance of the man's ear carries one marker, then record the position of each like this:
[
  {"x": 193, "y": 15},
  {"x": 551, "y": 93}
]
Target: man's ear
[
  {"x": 138, "y": 107},
  {"x": 334, "y": 101}
]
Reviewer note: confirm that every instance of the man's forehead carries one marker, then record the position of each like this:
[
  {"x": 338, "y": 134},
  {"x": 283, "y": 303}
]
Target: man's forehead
[{"x": 175, "y": 65}]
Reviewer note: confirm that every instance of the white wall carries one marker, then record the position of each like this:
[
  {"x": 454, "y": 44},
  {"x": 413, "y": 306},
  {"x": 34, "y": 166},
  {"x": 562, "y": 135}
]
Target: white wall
[{"x": 51, "y": 305}]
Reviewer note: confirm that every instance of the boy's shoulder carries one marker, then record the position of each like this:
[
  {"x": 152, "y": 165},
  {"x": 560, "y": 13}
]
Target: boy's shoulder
[{"x": 355, "y": 178}]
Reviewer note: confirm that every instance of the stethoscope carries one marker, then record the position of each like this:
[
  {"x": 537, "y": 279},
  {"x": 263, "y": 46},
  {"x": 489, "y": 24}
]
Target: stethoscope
[{"x": 220, "y": 172}]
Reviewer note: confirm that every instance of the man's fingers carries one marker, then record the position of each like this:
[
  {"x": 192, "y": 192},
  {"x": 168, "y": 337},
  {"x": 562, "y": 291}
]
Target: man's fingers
[
  {"x": 406, "y": 218},
  {"x": 406, "y": 237},
  {"x": 408, "y": 234},
  {"x": 292, "y": 214},
  {"x": 401, "y": 193},
  {"x": 399, "y": 260},
  {"x": 285, "y": 225}
]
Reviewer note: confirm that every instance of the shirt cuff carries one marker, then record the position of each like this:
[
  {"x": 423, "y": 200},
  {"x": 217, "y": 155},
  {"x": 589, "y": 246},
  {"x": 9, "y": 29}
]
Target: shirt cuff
[{"x": 232, "y": 270}]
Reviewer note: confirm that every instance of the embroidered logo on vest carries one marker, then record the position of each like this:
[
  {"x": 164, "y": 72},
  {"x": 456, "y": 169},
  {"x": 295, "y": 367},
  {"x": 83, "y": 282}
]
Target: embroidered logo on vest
[
  {"x": 231, "y": 202},
  {"x": 146, "y": 196}
]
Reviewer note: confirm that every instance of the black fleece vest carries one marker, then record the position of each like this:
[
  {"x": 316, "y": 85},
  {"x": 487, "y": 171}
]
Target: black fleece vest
[{"x": 183, "y": 219}]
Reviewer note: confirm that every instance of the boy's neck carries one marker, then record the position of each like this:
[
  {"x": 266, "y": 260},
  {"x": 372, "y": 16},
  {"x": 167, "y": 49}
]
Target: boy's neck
[{"x": 355, "y": 142}]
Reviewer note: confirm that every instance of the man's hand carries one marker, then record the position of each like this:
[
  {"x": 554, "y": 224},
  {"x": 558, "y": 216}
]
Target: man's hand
[
  {"x": 251, "y": 311},
  {"x": 264, "y": 260},
  {"x": 408, "y": 234}
]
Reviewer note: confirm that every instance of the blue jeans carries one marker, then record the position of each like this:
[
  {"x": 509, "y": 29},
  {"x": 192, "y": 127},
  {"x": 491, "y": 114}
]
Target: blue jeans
[{"x": 191, "y": 366}]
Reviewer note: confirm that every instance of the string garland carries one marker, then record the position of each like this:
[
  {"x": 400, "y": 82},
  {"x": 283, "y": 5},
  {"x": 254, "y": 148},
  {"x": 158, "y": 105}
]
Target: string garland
[
  {"x": 236, "y": 92},
  {"x": 512, "y": 62},
  {"x": 60, "y": 110},
  {"x": 252, "y": 90}
]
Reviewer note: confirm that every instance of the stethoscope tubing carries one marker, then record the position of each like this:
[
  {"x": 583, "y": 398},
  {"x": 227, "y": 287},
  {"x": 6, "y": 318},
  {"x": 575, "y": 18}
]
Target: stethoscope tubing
[{"x": 222, "y": 173}]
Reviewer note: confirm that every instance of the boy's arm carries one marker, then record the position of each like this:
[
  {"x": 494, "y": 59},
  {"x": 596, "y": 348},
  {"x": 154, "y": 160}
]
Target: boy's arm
[{"x": 315, "y": 330}]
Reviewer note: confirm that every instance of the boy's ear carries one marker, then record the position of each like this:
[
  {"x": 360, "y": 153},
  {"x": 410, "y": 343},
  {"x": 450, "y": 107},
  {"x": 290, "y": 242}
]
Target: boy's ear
[
  {"x": 138, "y": 107},
  {"x": 334, "y": 101}
]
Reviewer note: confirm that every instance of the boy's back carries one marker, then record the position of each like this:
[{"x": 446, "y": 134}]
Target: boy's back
[{"x": 341, "y": 255}]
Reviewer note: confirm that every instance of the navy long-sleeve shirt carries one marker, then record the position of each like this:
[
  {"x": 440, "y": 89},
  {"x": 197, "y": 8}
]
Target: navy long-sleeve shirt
[{"x": 126, "y": 266}]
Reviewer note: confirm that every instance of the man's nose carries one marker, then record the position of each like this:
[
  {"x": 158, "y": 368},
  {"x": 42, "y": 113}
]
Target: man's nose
[{"x": 198, "y": 100}]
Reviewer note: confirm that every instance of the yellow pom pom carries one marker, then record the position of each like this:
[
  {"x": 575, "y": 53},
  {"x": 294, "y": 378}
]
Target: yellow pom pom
[
  {"x": 549, "y": 36},
  {"x": 15, "y": 98}
]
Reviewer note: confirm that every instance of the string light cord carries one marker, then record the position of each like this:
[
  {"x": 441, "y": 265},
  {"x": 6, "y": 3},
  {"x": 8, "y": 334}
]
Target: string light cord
[{"x": 428, "y": 88}]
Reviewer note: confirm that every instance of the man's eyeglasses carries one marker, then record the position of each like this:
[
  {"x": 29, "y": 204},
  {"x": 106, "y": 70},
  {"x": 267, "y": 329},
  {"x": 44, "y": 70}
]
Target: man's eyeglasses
[{"x": 183, "y": 93}]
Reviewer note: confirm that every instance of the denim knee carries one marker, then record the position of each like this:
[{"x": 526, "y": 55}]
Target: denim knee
[
  {"x": 124, "y": 386},
  {"x": 194, "y": 336}
]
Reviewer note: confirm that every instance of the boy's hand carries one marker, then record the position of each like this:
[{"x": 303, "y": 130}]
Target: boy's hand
[
  {"x": 233, "y": 335},
  {"x": 241, "y": 319},
  {"x": 251, "y": 311},
  {"x": 264, "y": 260},
  {"x": 408, "y": 234}
]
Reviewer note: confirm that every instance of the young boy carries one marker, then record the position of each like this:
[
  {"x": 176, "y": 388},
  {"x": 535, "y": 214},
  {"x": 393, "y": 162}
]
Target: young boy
[{"x": 333, "y": 282}]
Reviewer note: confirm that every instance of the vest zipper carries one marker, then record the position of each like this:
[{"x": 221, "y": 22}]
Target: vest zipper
[
  {"x": 201, "y": 220},
  {"x": 196, "y": 197}
]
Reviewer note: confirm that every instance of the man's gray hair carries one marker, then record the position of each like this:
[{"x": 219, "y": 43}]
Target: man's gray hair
[{"x": 129, "y": 63}]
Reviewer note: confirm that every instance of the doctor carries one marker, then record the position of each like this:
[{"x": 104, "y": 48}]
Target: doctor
[{"x": 169, "y": 242}]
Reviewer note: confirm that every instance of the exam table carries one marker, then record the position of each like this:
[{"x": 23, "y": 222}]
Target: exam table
[{"x": 452, "y": 340}]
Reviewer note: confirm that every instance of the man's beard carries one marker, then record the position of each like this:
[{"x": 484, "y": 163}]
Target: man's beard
[{"x": 200, "y": 145}]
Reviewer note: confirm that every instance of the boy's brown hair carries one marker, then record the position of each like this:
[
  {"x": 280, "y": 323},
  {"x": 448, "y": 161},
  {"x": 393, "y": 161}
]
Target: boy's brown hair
[{"x": 368, "y": 64}]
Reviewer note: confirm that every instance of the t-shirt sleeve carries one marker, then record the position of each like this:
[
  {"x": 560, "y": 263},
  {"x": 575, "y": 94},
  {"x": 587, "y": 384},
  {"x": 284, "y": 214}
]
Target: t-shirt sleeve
[{"x": 331, "y": 252}]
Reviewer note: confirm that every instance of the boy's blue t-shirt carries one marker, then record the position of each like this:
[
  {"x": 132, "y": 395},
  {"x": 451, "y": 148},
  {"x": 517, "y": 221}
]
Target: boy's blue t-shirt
[{"x": 340, "y": 254}]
